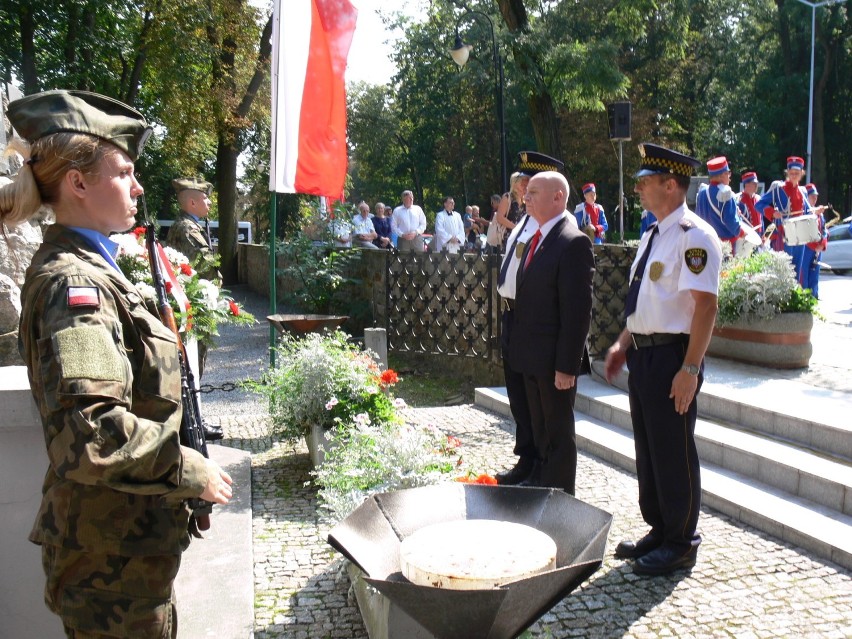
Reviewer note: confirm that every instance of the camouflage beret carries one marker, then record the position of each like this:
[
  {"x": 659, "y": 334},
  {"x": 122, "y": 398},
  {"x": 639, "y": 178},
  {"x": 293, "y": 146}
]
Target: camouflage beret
[
  {"x": 194, "y": 183},
  {"x": 35, "y": 116}
]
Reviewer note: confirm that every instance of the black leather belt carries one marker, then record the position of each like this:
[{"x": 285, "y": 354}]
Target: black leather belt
[
  {"x": 658, "y": 339},
  {"x": 508, "y": 304}
]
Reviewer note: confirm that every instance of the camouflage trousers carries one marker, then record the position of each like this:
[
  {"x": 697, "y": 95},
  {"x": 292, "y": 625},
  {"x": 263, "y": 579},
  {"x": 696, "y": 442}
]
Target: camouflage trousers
[{"x": 99, "y": 596}]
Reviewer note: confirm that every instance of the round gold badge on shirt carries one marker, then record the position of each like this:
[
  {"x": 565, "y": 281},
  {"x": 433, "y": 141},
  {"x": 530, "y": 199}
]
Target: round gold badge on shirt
[{"x": 656, "y": 270}]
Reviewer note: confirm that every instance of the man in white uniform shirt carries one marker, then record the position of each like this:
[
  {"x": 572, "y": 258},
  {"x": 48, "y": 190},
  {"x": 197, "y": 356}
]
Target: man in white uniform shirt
[
  {"x": 409, "y": 223},
  {"x": 449, "y": 229},
  {"x": 670, "y": 310}
]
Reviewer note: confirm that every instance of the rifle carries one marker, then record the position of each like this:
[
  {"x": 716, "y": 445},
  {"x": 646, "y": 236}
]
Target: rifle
[{"x": 191, "y": 431}]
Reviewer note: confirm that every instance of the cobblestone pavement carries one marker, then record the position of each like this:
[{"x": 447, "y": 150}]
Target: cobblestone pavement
[{"x": 746, "y": 584}]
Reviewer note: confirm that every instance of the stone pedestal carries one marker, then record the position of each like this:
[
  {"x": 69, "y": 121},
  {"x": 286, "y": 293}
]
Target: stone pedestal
[
  {"x": 376, "y": 339},
  {"x": 23, "y": 462}
]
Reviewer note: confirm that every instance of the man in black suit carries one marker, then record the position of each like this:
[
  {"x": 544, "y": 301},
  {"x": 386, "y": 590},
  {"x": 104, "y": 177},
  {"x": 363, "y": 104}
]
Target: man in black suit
[{"x": 553, "y": 308}]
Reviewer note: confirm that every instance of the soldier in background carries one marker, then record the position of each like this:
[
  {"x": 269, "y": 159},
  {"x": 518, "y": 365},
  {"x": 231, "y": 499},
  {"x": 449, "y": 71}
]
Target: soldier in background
[
  {"x": 104, "y": 374},
  {"x": 189, "y": 234},
  {"x": 191, "y": 238}
]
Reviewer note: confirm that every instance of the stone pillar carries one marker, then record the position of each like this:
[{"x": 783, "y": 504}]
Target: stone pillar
[
  {"x": 376, "y": 339},
  {"x": 23, "y": 462}
]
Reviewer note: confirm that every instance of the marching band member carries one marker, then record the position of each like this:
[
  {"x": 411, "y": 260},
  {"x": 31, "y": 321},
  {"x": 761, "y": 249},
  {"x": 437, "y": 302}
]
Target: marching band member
[
  {"x": 716, "y": 204},
  {"x": 813, "y": 249},
  {"x": 782, "y": 201},
  {"x": 590, "y": 215},
  {"x": 747, "y": 199}
]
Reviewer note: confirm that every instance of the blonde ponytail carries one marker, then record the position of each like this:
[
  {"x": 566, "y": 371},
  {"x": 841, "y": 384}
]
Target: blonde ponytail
[{"x": 46, "y": 161}]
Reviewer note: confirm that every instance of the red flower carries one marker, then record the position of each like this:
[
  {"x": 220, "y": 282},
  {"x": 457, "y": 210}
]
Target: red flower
[
  {"x": 168, "y": 286},
  {"x": 389, "y": 377},
  {"x": 483, "y": 479},
  {"x": 186, "y": 269},
  {"x": 139, "y": 231},
  {"x": 235, "y": 309},
  {"x": 453, "y": 442}
]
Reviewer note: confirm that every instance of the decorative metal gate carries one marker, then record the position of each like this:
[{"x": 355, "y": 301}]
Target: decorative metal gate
[{"x": 440, "y": 304}]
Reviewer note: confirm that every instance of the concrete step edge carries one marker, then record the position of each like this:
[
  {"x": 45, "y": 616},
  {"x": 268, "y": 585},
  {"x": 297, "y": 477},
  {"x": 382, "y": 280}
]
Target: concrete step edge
[
  {"x": 823, "y": 479},
  {"x": 816, "y": 528},
  {"x": 824, "y": 532},
  {"x": 834, "y": 438}
]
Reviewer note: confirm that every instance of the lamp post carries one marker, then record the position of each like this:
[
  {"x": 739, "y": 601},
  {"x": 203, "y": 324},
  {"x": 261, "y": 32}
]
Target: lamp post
[
  {"x": 813, "y": 6},
  {"x": 460, "y": 53}
]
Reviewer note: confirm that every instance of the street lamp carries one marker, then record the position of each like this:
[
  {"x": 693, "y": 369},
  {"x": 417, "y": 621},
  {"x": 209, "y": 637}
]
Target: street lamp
[
  {"x": 460, "y": 53},
  {"x": 813, "y": 6}
]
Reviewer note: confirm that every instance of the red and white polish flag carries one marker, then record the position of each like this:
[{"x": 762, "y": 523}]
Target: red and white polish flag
[{"x": 310, "y": 44}]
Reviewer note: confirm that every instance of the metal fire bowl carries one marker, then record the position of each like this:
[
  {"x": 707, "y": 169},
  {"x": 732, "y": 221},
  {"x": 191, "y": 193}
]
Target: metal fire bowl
[
  {"x": 371, "y": 535},
  {"x": 303, "y": 324}
]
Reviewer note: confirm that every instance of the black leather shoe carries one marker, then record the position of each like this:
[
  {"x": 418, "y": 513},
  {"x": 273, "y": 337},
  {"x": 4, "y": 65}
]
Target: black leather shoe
[
  {"x": 635, "y": 549},
  {"x": 516, "y": 474},
  {"x": 212, "y": 433},
  {"x": 534, "y": 478},
  {"x": 664, "y": 560}
]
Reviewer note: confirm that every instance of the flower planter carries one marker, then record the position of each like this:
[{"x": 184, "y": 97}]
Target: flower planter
[{"x": 782, "y": 342}]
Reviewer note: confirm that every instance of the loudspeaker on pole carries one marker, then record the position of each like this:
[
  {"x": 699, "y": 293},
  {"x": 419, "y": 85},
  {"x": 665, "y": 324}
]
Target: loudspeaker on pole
[{"x": 619, "y": 120}]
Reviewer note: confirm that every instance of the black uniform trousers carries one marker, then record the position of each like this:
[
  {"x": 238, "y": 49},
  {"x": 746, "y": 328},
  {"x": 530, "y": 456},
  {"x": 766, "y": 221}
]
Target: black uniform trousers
[
  {"x": 667, "y": 464},
  {"x": 517, "y": 393},
  {"x": 553, "y": 429}
]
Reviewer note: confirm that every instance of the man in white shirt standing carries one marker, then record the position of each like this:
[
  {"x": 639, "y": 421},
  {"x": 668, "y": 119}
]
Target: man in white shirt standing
[
  {"x": 449, "y": 228},
  {"x": 409, "y": 223}
]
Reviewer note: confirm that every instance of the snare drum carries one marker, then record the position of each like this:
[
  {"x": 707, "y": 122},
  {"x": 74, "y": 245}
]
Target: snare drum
[
  {"x": 748, "y": 242},
  {"x": 801, "y": 230}
]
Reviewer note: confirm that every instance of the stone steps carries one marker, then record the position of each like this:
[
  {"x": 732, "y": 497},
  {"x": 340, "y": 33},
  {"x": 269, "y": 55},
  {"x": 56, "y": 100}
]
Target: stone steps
[{"x": 798, "y": 494}]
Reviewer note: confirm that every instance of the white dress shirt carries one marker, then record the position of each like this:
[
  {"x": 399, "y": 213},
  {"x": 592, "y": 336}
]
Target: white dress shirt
[
  {"x": 523, "y": 233},
  {"x": 408, "y": 220}
]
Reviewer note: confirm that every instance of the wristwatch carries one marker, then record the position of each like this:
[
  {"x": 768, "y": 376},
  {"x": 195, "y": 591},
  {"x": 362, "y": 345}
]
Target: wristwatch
[{"x": 691, "y": 369}]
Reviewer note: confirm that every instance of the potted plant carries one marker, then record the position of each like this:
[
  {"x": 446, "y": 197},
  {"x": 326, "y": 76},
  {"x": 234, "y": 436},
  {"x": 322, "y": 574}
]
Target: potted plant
[
  {"x": 321, "y": 381},
  {"x": 764, "y": 317}
]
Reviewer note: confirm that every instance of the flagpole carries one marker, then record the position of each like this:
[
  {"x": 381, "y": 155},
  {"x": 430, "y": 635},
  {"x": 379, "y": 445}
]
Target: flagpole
[{"x": 273, "y": 277}]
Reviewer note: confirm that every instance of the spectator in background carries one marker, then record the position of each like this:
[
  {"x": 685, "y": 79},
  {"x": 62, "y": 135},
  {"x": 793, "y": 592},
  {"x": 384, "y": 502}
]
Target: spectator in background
[
  {"x": 341, "y": 232},
  {"x": 511, "y": 207},
  {"x": 409, "y": 223},
  {"x": 449, "y": 229},
  {"x": 382, "y": 226},
  {"x": 363, "y": 229}
]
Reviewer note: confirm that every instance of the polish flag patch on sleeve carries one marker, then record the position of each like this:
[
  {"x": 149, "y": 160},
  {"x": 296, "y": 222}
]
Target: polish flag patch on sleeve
[{"x": 84, "y": 297}]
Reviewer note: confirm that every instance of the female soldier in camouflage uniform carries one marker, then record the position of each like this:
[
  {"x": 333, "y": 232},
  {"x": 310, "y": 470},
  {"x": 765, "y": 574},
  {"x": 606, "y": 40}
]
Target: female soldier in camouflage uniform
[{"x": 104, "y": 373}]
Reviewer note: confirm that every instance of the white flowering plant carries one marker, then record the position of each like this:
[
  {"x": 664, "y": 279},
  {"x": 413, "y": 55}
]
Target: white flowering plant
[
  {"x": 326, "y": 380},
  {"x": 364, "y": 460},
  {"x": 209, "y": 304},
  {"x": 759, "y": 287}
]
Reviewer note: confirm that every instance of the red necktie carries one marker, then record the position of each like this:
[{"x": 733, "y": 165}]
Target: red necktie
[{"x": 533, "y": 245}]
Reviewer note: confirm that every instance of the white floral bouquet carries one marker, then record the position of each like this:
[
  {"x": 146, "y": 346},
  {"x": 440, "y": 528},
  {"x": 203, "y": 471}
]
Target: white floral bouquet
[
  {"x": 759, "y": 287},
  {"x": 209, "y": 304}
]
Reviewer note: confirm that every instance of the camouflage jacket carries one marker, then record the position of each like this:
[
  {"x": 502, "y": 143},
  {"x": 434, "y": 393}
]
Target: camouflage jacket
[
  {"x": 105, "y": 375},
  {"x": 187, "y": 236}
]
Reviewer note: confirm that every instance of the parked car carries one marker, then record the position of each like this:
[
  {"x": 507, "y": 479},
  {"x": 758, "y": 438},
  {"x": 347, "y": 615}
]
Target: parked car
[{"x": 838, "y": 254}]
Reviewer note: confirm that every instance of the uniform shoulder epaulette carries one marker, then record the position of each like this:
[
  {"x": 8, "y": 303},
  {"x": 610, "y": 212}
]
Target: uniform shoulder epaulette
[{"x": 686, "y": 225}]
